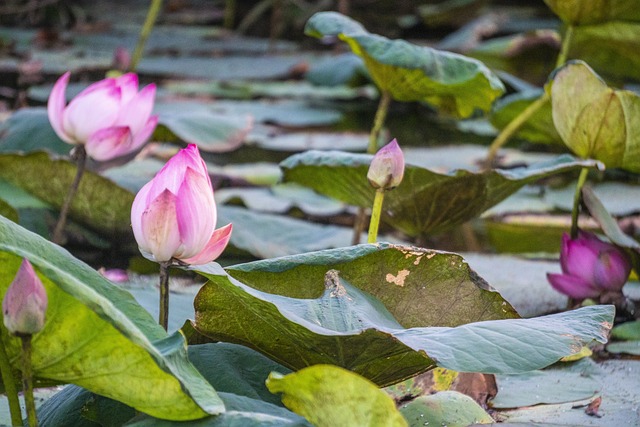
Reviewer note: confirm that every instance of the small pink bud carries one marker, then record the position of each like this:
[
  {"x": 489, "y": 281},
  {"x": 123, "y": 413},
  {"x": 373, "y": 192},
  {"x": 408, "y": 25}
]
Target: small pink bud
[
  {"x": 174, "y": 215},
  {"x": 387, "y": 167},
  {"x": 111, "y": 118},
  {"x": 25, "y": 303},
  {"x": 590, "y": 267}
]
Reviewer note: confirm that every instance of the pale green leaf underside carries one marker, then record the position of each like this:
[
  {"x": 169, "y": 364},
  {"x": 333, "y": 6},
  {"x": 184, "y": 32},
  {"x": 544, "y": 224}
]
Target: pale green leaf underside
[
  {"x": 450, "y": 82},
  {"x": 98, "y": 337}
]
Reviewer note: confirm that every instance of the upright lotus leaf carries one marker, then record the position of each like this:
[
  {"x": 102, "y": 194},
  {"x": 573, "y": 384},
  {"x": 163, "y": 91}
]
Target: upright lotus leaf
[
  {"x": 98, "y": 204},
  {"x": 594, "y": 120},
  {"x": 539, "y": 128},
  {"x": 28, "y": 130},
  {"x": 595, "y": 11},
  {"x": 450, "y": 82},
  {"x": 98, "y": 337},
  {"x": 330, "y": 396},
  {"x": 350, "y": 328},
  {"x": 426, "y": 201}
]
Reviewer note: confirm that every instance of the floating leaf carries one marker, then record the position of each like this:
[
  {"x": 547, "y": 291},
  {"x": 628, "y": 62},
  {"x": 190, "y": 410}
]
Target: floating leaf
[
  {"x": 29, "y": 130},
  {"x": 539, "y": 128},
  {"x": 452, "y": 83},
  {"x": 330, "y": 396},
  {"x": 445, "y": 408},
  {"x": 426, "y": 201},
  {"x": 209, "y": 130},
  {"x": 563, "y": 382},
  {"x": 628, "y": 347},
  {"x": 594, "y": 120},
  {"x": 98, "y": 204},
  {"x": 349, "y": 327},
  {"x": 98, "y": 337}
]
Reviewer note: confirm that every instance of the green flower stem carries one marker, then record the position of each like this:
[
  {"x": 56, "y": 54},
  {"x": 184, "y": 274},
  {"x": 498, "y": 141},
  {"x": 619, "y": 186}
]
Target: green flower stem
[
  {"x": 513, "y": 127},
  {"x": 79, "y": 154},
  {"x": 152, "y": 15},
  {"x": 577, "y": 198},
  {"x": 10, "y": 388},
  {"x": 376, "y": 211},
  {"x": 566, "y": 44},
  {"x": 27, "y": 381},
  {"x": 163, "y": 318},
  {"x": 378, "y": 121},
  {"x": 229, "y": 14}
]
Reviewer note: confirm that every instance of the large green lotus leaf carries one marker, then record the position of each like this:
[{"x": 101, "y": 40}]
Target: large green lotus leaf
[
  {"x": 238, "y": 373},
  {"x": 445, "y": 408},
  {"x": 539, "y": 128},
  {"x": 349, "y": 327},
  {"x": 594, "y": 120},
  {"x": 612, "y": 48},
  {"x": 450, "y": 82},
  {"x": 398, "y": 276},
  {"x": 98, "y": 337},
  {"x": 194, "y": 123},
  {"x": 98, "y": 204},
  {"x": 426, "y": 201},
  {"x": 595, "y": 11},
  {"x": 29, "y": 130},
  {"x": 330, "y": 396}
]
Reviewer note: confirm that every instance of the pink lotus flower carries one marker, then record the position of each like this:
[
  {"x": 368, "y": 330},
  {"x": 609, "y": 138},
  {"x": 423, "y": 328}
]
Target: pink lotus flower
[
  {"x": 174, "y": 215},
  {"x": 110, "y": 117},
  {"x": 25, "y": 303},
  {"x": 387, "y": 167},
  {"x": 590, "y": 267}
]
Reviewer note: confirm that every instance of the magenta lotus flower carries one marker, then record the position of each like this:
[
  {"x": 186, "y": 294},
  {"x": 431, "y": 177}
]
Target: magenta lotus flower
[
  {"x": 25, "y": 304},
  {"x": 110, "y": 117},
  {"x": 387, "y": 167},
  {"x": 590, "y": 267},
  {"x": 174, "y": 215}
]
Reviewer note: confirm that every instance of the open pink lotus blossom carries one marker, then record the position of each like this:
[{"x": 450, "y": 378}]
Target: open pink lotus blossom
[
  {"x": 174, "y": 215},
  {"x": 110, "y": 117},
  {"x": 590, "y": 267},
  {"x": 387, "y": 167},
  {"x": 25, "y": 304}
]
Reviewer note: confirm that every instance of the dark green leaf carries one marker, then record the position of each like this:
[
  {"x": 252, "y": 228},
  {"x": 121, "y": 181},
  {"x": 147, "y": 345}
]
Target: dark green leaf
[
  {"x": 98, "y": 204},
  {"x": 426, "y": 201}
]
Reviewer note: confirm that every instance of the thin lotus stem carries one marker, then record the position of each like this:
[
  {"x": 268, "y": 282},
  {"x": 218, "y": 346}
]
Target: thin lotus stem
[
  {"x": 80, "y": 155},
  {"x": 577, "y": 197},
  {"x": 163, "y": 318},
  {"x": 10, "y": 388},
  {"x": 566, "y": 44},
  {"x": 27, "y": 381},
  {"x": 513, "y": 127},
  {"x": 378, "y": 121},
  {"x": 375, "y": 216},
  {"x": 229, "y": 14},
  {"x": 149, "y": 22}
]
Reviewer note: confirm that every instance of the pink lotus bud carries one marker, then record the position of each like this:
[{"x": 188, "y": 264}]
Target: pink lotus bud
[
  {"x": 387, "y": 167},
  {"x": 174, "y": 215},
  {"x": 110, "y": 117},
  {"x": 25, "y": 303},
  {"x": 590, "y": 267}
]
